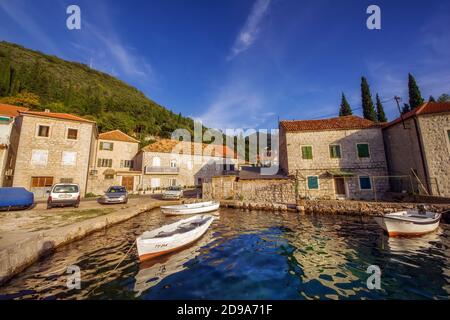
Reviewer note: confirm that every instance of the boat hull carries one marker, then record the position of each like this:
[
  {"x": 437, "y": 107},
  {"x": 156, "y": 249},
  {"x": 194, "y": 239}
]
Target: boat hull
[
  {"x": 179, "y": 210},
  {"x": 151, "y": 248},
  {"x": 395, "y": 227}
]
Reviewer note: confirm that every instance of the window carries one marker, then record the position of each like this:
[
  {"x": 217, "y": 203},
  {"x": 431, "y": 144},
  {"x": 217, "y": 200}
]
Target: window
[
  {"x": 365, "y": 183},
  {"x": 172, "y": 182},
  {"x": 106, "y": 146},
  {"x": 41, "y": 182},
  {"x": 335, "y": 151},
  {"x": 126, "y": 163},
  {"x": 155, "y": 182},
  {"x": 156, "y": 162},
  {"x": 43, "y": 131},
  {"x": 72, "y": 134},
  {"x": 307, "y": 152},
  {"x": 105, "y": 163},
  {"x": 39, "y": 157},
  {"x": 173, "y": 163},
  {"x": 109, "y": 176},
  {"x": 66, "y": 180},
  {"x": 363, "y": 150},
  {"x": 69, "y": 158},
  {"x": 313, "y": 183}
]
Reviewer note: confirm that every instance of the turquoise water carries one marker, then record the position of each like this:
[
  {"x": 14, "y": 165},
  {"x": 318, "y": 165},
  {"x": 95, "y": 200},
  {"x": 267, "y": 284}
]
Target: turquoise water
[{"x": 257, "y": 255}]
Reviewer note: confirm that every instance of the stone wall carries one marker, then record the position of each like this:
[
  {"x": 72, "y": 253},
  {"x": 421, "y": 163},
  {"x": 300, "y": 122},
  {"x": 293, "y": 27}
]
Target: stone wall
[
  {"x": 55, "y": 145},
  {"x": 436, "y": 142},
  {"x": 322, "y": 164},
  {"x": 98, "y": 183}
]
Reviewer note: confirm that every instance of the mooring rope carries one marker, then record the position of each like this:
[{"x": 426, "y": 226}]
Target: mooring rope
[{"x": 115, "y": 268}]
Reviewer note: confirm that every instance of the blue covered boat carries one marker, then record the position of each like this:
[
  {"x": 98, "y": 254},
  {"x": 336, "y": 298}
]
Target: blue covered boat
[{"x": 15, "y": 198}]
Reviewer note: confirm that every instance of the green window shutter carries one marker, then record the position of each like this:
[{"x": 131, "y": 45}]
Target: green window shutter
[
  {"x": 112, "y": 146},
  {"x": 335, "y": 151},
  {"x": 365, "y": 183},
  {"x": 448, "y": 133},
  {"x": 101, "y": 145},
  {"x": 363, "y": 150},
  {"x": 110, "y": 163},
  {"x": 313, "y": 183},
  {"x": 307, "y": 152},
  {"x": 99, "y": 162}
]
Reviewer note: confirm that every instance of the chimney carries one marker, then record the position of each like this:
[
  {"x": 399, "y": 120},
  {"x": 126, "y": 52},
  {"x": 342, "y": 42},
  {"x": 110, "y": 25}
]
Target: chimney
[{"x": 47, "y": 110}]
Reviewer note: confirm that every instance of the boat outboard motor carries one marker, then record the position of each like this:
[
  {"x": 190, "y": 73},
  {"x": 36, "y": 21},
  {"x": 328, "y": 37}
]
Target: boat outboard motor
[{"x": 422, "y": 209}]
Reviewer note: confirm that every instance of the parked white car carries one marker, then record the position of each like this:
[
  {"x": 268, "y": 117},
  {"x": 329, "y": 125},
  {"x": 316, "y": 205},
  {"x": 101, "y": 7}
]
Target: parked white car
[
  {"x": 64, "y": 194},
  {"x": 174, "y": 192}
]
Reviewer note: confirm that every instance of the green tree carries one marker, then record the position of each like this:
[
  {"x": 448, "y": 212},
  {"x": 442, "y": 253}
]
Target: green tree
[
  {"x": 431, "y": 99},
  {"x": 367, "y": 103},
  {"x": 345, "y": 109},
  {"x": 406, "y": 108},
  {"x": 381, "y": 116},
  {"x": 444, "y": 98},
  {"x": 415, "y": 98}
]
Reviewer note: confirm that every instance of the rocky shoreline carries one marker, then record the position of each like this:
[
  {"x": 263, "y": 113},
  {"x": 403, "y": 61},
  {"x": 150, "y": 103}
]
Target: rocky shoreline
[{"x": 360, "y": 208}]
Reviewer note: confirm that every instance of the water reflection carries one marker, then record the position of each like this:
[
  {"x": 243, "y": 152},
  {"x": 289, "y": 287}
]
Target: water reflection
[{"x": 257, "y": 255}]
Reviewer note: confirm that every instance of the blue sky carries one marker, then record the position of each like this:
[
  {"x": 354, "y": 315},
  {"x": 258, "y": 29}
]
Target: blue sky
[{"x": 244, "y": 63}]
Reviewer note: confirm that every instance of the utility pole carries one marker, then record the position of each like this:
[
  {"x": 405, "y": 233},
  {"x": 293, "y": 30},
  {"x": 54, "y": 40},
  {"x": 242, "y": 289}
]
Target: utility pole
[{"x": 398, "y": 99}]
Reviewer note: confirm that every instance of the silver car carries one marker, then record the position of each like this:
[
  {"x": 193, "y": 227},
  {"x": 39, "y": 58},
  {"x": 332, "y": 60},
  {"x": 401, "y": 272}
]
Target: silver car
[
  {"x": 114, "y": 194},
  {"x": 173, "y": 193}
]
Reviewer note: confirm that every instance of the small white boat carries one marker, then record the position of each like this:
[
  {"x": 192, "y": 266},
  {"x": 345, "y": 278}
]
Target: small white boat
[
  {"x": 409, "y": 223},
  {"x": 191, "y": 208},
  {"x": 172, "y": 237}
]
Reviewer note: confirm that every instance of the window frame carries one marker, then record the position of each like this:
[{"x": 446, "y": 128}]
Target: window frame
[
  {"x": 368, "y": 150},
  {"x": 67, "y": 134},
  {"x": 72, "y": 164},
  {"x": 39, "y": 164},
  {"x": 312, "y": 152},
  {"x": 45, "y": 180},
  {"x": 101, "y": 163},
  {"x": 38, "y": 126},
  {"x": 370, "y": 181},
  {"x": 307, "y": 182},
  {"x": 102, "y": 143},
  {"x": 335, "y": 145}
]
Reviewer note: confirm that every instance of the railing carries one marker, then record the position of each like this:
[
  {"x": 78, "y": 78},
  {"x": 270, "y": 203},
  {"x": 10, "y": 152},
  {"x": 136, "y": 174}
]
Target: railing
[{"x": 161, "y": 170}]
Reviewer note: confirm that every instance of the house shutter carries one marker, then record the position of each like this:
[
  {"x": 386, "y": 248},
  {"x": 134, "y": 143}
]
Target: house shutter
[
  {"x": 363, "y": 150},
  {"x": 313, "y": 183},
  {"x": 307, "y": 152},
  {"x": 335, "y": 151},
  {"x": 101, "y": 145}
]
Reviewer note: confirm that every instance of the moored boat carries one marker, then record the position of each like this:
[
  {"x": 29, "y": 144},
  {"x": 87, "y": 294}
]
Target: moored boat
[
  {"x": 409, "y": 223},
  {"x": 172, "y": 237},
  {"x": 191, "y": 208}
]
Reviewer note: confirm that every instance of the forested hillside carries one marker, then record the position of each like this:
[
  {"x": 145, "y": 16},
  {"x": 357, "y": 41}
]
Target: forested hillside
[{"x": 40, "y": 82}]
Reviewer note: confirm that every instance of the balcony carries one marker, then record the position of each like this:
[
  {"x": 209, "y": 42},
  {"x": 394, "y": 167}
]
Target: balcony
[{"x": 161, "y": 170}]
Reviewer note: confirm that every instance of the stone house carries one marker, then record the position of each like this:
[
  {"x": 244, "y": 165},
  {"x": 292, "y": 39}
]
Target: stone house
[
  {"x": 418, "y": 144},
  {"x": 334, "y": 158},
  {"x": 171, "y": 162},
  {"x": 114, "y": 162},
  {"x": 7, "y": 115},
  {"x": 48, "y": 148}
]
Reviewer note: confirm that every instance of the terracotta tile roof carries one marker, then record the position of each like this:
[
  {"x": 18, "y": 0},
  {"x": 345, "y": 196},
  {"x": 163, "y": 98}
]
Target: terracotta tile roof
[
  {"x": 426, "y": 108},
  {"x": 338, "y": 123},
  {"x": 10, "y": 111},
  {"x": 168, "y": 146},
  {"x": 116, "y": 135},
  {"x": 61, "y": 116}
]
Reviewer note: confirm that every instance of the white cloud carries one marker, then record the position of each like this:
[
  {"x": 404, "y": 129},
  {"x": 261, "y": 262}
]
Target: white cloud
[
  {"x": 236, "y": 106},
  {"x": 249, "y": 32}
]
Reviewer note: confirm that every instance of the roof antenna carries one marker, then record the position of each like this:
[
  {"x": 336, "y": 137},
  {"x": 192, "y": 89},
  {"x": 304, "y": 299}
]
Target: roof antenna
[{"x": 398, "y": 99}]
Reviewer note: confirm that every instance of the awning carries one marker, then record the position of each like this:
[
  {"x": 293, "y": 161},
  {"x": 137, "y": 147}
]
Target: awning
[{"x": 341, "y": 173}]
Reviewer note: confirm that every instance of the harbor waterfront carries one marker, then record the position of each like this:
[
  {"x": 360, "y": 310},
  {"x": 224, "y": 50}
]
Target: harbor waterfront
[{"x": 247, "y": 255}]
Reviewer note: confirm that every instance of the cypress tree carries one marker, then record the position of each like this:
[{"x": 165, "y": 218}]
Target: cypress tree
[
  {"x": 406, "y": 108},
  {"x": 444, "y": 98},
  {"x": 415, "y": 98},
  {"x": 381, "y": 116},
  {"x": 431, "y": 99},
  {"x": 367, "y": 103},
  {"x": 345, "y": 109}
]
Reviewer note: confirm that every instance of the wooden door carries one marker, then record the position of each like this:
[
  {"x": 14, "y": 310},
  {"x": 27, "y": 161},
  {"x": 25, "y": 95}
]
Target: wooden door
[
  {"x": 128, "y": 182},
  {"x": 339, "y": 184}
]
